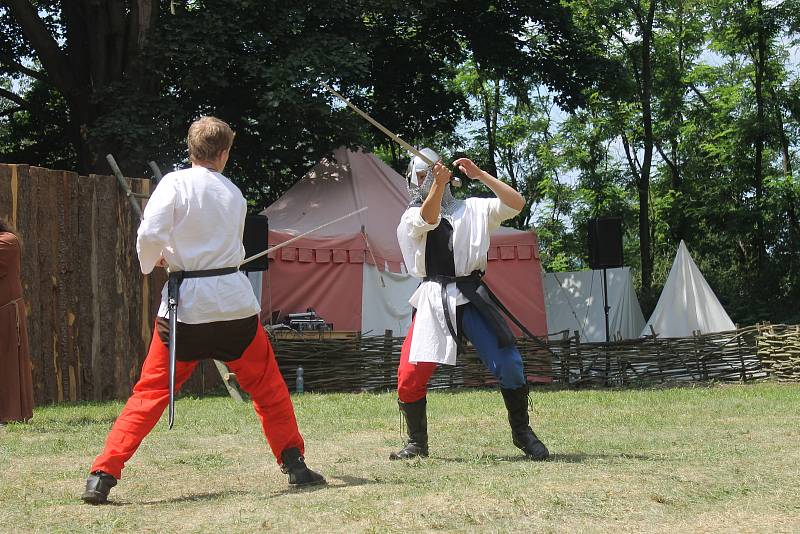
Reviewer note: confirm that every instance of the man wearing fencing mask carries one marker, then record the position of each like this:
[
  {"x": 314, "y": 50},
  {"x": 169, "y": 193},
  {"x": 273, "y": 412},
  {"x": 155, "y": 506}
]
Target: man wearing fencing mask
[{"x": 445, "y": 243}]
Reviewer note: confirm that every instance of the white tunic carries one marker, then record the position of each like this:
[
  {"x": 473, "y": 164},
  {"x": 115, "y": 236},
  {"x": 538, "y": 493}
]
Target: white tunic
[
  {"x": 473, "y": 222},
  {"x": 195, "y": 219}
]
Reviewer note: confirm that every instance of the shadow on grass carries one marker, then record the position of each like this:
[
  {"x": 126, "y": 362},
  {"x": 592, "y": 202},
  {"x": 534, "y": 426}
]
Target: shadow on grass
[
  {"x": 569, "y": 458},
  {"x": 584, "y": 457},
  {"x": 345, "y": 481},
  {"x": 348, "y": 481},
  {"x": 195, "y": 497}
]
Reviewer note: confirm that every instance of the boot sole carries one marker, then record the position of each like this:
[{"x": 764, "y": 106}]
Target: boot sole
[
  {"x": 94, "y": 498},
  {"x": 395, "y": 456},
  {"x": 322, "y": 482},
  {"x": 534, "y": 457}
]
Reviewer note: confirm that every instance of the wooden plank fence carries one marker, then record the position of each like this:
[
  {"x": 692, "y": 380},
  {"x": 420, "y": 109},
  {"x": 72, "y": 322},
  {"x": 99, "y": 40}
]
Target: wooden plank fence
[{"x": 89, "y": 308}]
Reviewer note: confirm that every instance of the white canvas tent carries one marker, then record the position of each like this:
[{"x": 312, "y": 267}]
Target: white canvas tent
[
  {"x": 687, "y": 303},
  {"x": 574, "y": 301}
]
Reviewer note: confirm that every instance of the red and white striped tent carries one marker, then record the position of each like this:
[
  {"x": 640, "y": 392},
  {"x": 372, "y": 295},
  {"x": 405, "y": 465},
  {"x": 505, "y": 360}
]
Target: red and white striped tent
[{"x": 352, "y": 273}]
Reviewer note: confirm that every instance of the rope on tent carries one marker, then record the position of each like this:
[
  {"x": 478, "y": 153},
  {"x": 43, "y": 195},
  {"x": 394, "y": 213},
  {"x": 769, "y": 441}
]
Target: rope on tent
[
  {"x": 374, "y": 261},
  {"x": 569, "y": 303},
  {"x": 589, "y": 307}
]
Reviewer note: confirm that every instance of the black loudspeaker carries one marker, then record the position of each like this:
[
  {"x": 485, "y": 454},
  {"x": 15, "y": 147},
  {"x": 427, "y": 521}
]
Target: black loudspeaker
[
  {"x": 256, "y": 232},
  {"x": 605, "y": 243}
]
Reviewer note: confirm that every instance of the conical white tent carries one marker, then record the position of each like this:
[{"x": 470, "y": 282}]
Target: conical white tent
[
  {"x": 574, "y": 302},
  {"x": 687, "y": 304}
]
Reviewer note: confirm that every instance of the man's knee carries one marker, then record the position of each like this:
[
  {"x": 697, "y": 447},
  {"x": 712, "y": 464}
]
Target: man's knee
[
  {"x": 511, "y": 374},
  {"x": 410, "y": 390},
  {"x": 412, "y": 381}
]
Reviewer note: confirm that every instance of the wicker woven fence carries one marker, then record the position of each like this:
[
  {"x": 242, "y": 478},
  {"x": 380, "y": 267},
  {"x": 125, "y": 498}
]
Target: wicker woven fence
[
  {"x": 779, "y": 351},
  {"x": 370, "y": 363}
]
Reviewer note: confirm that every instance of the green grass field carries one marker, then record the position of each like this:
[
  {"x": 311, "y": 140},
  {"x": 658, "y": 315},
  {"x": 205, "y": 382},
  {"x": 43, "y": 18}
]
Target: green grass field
[{"x": 722, "y": 458}]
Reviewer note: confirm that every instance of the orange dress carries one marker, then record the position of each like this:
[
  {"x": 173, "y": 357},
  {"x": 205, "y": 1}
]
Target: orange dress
[{"x": 16, "y": 386}]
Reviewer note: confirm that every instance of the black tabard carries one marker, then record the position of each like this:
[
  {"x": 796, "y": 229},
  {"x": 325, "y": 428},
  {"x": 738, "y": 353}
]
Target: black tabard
[
  {"x": 440, "y": 263},
  {"x": 439, "y": 260},
  {"x": 440, "y": 267}
]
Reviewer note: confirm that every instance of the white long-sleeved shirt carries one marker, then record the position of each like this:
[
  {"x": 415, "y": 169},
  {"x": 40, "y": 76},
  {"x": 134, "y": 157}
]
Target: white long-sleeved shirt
[
  {"x": 195, "y": 219},
  {"x": 473, "y": 223}
]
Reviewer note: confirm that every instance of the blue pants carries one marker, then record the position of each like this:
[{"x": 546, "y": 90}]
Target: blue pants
[{"x": 504, "y": 363}]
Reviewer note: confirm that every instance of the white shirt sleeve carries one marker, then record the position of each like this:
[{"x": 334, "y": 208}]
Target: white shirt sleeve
[
  {"x": 498, "y": 212},
  {"x": 413, "y": 225},
  {"x": 156, "y": 226}
]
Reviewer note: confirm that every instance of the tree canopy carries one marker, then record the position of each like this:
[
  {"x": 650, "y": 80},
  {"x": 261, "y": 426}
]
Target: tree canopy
[
  {"x": 682, "y": 117},
  {"x": 127, "y": 76}
]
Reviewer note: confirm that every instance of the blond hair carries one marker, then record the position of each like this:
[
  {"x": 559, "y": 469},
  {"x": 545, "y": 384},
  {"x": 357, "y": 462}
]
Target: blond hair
[{"x": 208, "y": 138}]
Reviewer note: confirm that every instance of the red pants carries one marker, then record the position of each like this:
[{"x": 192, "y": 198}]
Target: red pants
[
  {"x": 256, "y": 371},
  {"x": 412, "y": 379}
]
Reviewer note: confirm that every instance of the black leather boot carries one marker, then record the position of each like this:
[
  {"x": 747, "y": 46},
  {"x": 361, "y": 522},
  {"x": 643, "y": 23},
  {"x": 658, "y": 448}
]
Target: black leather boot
[
  {"x": 521, "y": 433},
  {"x": 417, "y": 424},
  {"x": 97, "y": 487},
  {"x": 299, "y": 474}
]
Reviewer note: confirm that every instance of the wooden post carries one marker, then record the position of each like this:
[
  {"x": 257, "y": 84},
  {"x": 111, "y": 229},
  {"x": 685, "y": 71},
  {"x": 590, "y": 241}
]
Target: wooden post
[
  {"x": 741, "y": 357},
  {"x": 387, "y": 358},
  {"x": 698, "y": 360},
  {"x": 227, "y": 376},
  {"x": 658, "y": 353}
]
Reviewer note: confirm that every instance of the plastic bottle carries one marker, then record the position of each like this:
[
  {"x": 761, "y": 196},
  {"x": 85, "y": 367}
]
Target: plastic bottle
[{"x": 299, "y": 381}]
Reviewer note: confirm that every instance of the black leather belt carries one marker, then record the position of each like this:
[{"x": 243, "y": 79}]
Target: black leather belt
[
  {"x": 478, "y": 293},
  {"x": 177, "y": 277},
  {"x": 181, "y": 275}
]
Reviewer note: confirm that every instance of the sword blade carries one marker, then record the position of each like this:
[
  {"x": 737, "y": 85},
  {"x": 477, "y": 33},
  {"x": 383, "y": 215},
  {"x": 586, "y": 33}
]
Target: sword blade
[
  {"x": 455, "y": 180},
  {"x": 173, "y": 295},
  {"x": 173, "y": 323},
  {"x": 295, "y": 238},
  {"x": 378, "y": 125}
]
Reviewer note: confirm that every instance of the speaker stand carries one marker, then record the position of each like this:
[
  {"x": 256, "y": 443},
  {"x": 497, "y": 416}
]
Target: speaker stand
[
  {"x": 606, "y": 308},
  {"x": 608, "y": 337}
]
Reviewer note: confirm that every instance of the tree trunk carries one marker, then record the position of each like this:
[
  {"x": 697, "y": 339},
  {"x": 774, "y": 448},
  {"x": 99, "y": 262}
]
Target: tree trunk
[
  {"x": 103, "y": 40},
  {"x": 491, "y": 102},
  {"x": 646, "y": 29},
  {"x": 758, "y": 176}
]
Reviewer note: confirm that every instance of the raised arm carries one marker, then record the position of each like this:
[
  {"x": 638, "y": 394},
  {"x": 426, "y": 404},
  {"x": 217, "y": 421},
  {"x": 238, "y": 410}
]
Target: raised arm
[
  {"x": 507, "y": 194},
  {"x": 432, "y": 206}
]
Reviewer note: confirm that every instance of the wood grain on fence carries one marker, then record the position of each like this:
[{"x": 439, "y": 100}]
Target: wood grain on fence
[{"x": 89, "y": 308}]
